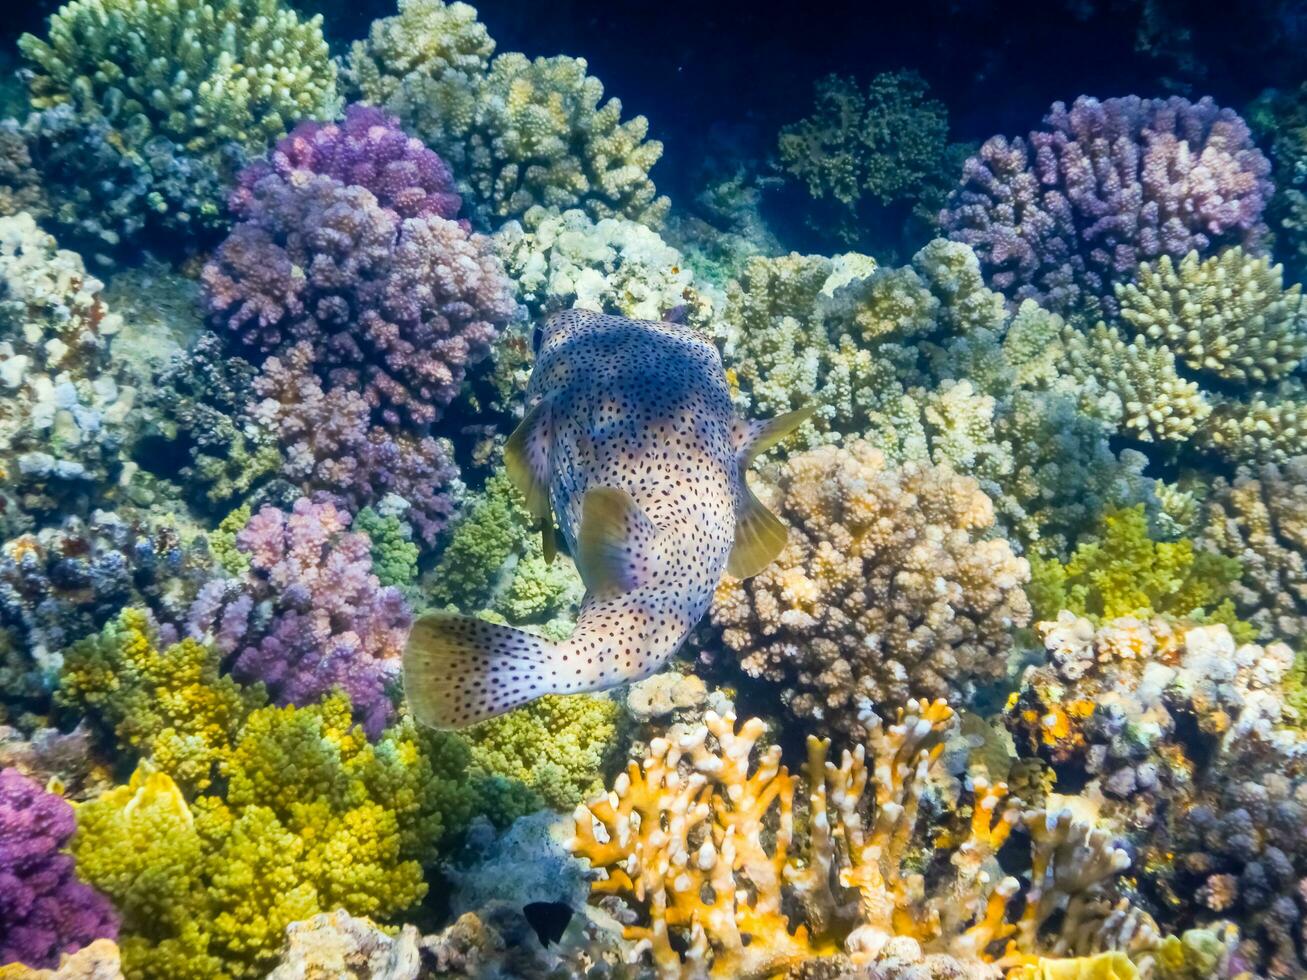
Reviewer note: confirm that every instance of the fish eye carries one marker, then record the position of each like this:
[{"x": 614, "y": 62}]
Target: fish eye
[{"x": 536, "y": 337}]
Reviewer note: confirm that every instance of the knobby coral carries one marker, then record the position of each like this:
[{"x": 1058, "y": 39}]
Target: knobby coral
[
  {"x": 309, "y": 614},
  {"x": 45, "y": 909},
  {"x": 1073, "y": 209},
  {"x": 888, "y": 588}
]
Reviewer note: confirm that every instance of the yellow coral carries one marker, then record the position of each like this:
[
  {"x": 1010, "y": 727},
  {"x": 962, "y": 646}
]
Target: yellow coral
[{"x": 1104, "y": 966}]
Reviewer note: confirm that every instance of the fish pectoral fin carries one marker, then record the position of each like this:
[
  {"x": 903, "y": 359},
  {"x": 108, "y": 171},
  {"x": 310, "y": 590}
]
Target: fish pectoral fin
[
  {"x": 459, "y": 670},
  {"x": 615, "y": 542},
  {"x": 759, "y": 537},
  {"x": 759, "y": 436},
  {"x": 526, "y": 458}
]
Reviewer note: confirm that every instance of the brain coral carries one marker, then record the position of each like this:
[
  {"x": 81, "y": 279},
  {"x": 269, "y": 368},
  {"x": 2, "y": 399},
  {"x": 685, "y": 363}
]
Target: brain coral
[
  {"x": 1073, "y": 209},
  {"x": 309, "y": 614},
  {"x": 394, "y": 308},
  {"x": 887, "y": 588},
  {"x": 1261, "y": 519},
  {"x": 44, "y": 909}
]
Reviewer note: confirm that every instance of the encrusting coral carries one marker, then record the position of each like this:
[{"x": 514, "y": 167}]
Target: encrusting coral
[
  {"x": 1260, "y": 520},
  {"x": 170, "y": 97},
  {"x": 888, "y": 588},
  {"x": 1073, "y": 209},
  {"x": 308, "y": 615},
  {"x": 45, "y": 909},
  {"x": 701, "y": 842}
]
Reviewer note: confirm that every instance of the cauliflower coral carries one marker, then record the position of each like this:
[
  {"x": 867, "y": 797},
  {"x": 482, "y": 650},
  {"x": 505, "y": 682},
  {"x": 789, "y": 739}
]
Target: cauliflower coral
[{"x": 888, "y": 588}]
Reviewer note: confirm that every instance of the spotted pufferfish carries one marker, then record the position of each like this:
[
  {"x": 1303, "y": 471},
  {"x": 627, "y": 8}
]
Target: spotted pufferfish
[{"x": 631, "y": 442}]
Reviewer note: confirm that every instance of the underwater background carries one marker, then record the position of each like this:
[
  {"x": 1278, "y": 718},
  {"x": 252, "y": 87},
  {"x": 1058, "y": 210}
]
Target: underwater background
[{"x": 1024, "y": 695}]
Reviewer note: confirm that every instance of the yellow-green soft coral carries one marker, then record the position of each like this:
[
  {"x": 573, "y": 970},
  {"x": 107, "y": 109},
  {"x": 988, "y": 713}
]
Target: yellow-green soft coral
[
  {"x": 199, "y": 72},
  {"x": 1228, "y": 315},
  {"x": 394, "y": 553},
  {"x": 556, "y": 746},
  {"x": 166, "y": 703},
  {"x": 1122, "y": 571},
  {"x": 313, "y": 818}
]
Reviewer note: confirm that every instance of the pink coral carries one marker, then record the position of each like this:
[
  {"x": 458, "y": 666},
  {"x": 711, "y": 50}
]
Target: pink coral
[{"x": 309, "y": 615}]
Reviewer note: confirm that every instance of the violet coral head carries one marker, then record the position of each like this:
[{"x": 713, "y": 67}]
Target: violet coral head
[
  {"x": 396, "y": 309},
  {"x": 308, "y": 615},
  {"x": 45, "y": 910},
  {"x": 1064, "y": 215},
  {"x": 365, "y": 149}
]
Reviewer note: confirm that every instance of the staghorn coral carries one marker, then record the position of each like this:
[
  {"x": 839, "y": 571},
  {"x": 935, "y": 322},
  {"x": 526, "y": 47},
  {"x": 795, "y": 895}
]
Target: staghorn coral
[
  {"x": 886, "y": 589},
  {"x": 700, "y": 841},
  {"x": 866, "y": 152},
  {"x": 64, "y": 418},
  {"x": 528, "y": 132},
  {"x": 45, "y": 909},
  {"x": 614, "y": 265},
  {"x": 1229, "y": 316},
  {"x": 396, "y": 309},
  {"x": 164, "y": 702},
  {"x": 310, "y": 806},
  {"x": 1260, "y": 520},
  {"x": 1122, "y": 571},
  {"x": 1068, "y": 212},
  {"x": 309, "y": 614}
]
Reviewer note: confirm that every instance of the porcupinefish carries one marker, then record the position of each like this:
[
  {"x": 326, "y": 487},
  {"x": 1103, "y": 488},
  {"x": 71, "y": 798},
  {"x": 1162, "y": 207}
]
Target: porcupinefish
[{"x": 630, "y": 440}]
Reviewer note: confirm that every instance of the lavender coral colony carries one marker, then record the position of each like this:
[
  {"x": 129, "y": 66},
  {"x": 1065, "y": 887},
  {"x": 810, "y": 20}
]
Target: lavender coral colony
[{"x": 1022, "y": 695}]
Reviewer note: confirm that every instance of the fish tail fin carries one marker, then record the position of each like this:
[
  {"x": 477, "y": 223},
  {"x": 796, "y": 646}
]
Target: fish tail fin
[{"x": 459, "y": 670}]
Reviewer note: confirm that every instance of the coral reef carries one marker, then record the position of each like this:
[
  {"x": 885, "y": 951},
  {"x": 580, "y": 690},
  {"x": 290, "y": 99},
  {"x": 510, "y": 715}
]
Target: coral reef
[
  {"x": 336, "y": 944},
  {"x": 45, "y": 909},
  {"x": 1260, "y": 520},
  {"x": 1068, "y": 212},
  {"x": 885, "y": 147},
  {"x": 887, "y": 589},
  {"x": 308, "y": 615},
  {"x": 98, "y": 961}
]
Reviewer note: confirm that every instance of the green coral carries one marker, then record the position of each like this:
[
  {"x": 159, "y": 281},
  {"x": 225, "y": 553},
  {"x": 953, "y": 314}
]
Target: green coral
[
  {"x": 312, "y": 818},
  {"x": 394, "y": 554},
  {"x": 1122, "y": 571},
  {"x": 866, "y": 151},
  {"x": 556, "y": 746},
  {"x": 164, "y": 702},
  {"x": 516, "y": 132},
  {"x": 200, "y": 72},
  {"x": 222, "y": 541}
]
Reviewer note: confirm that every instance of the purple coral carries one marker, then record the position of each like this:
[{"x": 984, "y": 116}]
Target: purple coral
[
  {"x": 309, "y": 615},
  {"x": 44, "y": 909},
  {"x": 366, "y": 149},
  {"x": 396, "y": 308},
  {"x": 333, "y": 450},
  {"x": 1072, "y": 210}
]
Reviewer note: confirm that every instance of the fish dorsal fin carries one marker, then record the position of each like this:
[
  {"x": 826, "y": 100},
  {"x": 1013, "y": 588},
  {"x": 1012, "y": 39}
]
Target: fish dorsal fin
[
  {"x": 759, "y": 537},
  {"x": 526, "y": 457},
  {"x": 615, "y": 542},
  {"x": 755, "y": 438}
]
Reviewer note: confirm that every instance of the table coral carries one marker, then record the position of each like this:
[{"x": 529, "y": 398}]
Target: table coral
[
  {"x": 45, "y": 909},
  {"x": 889, "y": 587},
  {"x": 394, "y": 308},
  {"x": 701, "y": 837},
  {"x": 64, "y": 419},
  {"x": 310, "y": 807},
  {"x": 888, "y": 146},
  {"x": 309, "y": 614},
  {"x": 1260, "y": 520},
  {"x": 1074, "y": 208},
  {"x": 1229, "y": 315}
]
